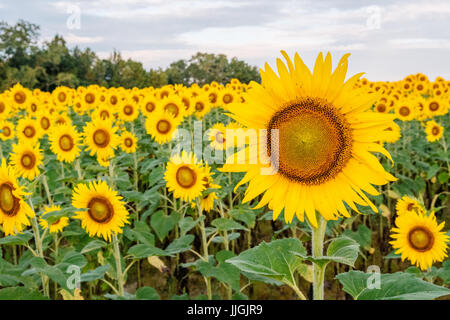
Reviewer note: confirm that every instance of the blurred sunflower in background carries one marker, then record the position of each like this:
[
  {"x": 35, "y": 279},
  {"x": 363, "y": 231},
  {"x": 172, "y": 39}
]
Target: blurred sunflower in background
[
  {"x": 128, "y": 142},
  {"x": 14, "y": 212},
  {"x": 408, "y": 205},
  {"x": 6, "y": 130},
  {"x": 161, "y": 126},
  {"x": 26, "y": 159},
  {"x": 434, "y": 131},
  {"x": 65, "y": 142},
  {"x": 419, "y": 238},
  {"x": 56, "y": 226},
  {"x": 28, "y": 130},
  {"x": 105, "y": 212}
]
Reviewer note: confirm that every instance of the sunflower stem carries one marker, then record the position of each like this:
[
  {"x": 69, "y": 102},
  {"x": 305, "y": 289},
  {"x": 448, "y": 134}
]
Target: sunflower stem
[
  {"x": 205, "y": 246},
  {"x": 119, "y": 272},
  {"x": 78, "y": 168},
  {"x": 47, "y": 190},
  {"x": 318, "y": 235}
]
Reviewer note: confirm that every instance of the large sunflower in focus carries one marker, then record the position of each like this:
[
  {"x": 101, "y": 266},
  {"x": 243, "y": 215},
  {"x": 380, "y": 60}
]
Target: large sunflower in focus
[
  {"x": 419, "y": 239},
  {"x": 65, "y": 142},
  {"x": 324, "y": 132},
  {"x": 14, "y": 212},
  {"x": 106, "y": 213}
]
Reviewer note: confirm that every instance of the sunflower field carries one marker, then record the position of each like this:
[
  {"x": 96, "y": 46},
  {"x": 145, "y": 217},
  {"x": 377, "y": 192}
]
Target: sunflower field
[{"x": 312, "y": 184}]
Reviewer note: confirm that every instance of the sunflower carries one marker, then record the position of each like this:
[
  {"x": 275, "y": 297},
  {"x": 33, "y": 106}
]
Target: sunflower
[
  {"x": 103, "y": 112},
  {"x": 434, "y": 131},
  {"x": 28, "y": 130},
  {"x": 65, "y": 143},
  {"x": 14, "y": 212},
  {"x": 56, "y": 226},
  {"x": 419, "y": 238},
  {"x": 404, "y": 110},
  {"x": 90, "y": 98},
  {"x": 106, "y": 213},
  {"x": 148, "y": 105},
  {"x": 6, "y": 130},
  {"x": 61, "y": 118},
  {"x": 217, "y": 136},
  {"x": 5, "y": 107},
  {"x": 101, "y": 138},
  {"x": 323, "y": 134},
  {"x": 128, "y": 110},
  {"x": 408, "y": 205},
  {"x": 395, "y": 133},
  {"x": 201, "y": 105},
  {"x": 45, "y": 121},
  {"x": 174, "y": 106},
  {"x": 435, "y": 107},
  {"x": 185, "y": 177},
  {"x": 20, "y": 96},
  {"x": 61, "y": 96},
  {"x": 26, "y": 159},
  {"x": 128, "y": 142},
  {"x": 161, "y": 126}
]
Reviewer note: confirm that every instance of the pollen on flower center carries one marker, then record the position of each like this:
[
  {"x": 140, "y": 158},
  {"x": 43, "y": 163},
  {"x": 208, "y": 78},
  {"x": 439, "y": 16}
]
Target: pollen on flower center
[
  {"x": 421, "y": 239},
  {"x": 186, "y": 177},
  {"x": 29, "y": 132},
  {"x": 163, "y": 126},
  {"x": 172, "y": 108},
  {"x": 9, "y": 204},
  {"x": 28, "y": 160},
  {"x": 66, "y": 142},
  {"x": 128, "y": 142},
  {"x": 100, "y": 210},
  {"x": 101, "y": 138},
  {"x": 314, "y": 141}
]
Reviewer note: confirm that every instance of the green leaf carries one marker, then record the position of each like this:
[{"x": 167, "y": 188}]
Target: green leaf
[
  {"x": 52, "y": 272},
  {"x": 245, "y": 215},
  {"x": 162, "y": 224},
  {"x": 443, "y": 177},
  {"x": 96, "y": 274},
  {"x": 18, "y": 239},
  {"x": 444, "y": 272},
  {"x": 395, "y": 286},
  {"x": 147, "y": 293},
  {"x": 432, "y": 171},
  {"x": 341, "y": 250},
  {"x": 20, "y": 293},
  {"x": 54, "y": 216},
  {"x": 224, "y": 224},
  {"x": 74, "y": 258},
  {"x": 186, "y": 224},
  {"x": 181, "y": 244},
  {"x": 363, "y": 236},
  {"x": 271, "y": 261},
  {"x": 93, "y": 245},
  {"x": 141, "y": 251}
]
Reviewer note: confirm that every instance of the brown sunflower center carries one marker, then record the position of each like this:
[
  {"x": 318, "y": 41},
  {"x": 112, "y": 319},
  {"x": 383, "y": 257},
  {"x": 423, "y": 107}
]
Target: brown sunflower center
[
  {"x": 6, "y": 131},
  {"x": 101, "y": 138},
  {"x": 213, "y": 97},
  {"x": 104, "y": 114},
  {"x": 9, "y": 204},
  {"x": 314, "y": 141},
  {"x": 128, "y": 142},
  {"x": 186, "y": 177},
  {"x": 20, "y": 97},
  {"x": 45, "y": 123},
  {"x": 33, "y": 107},
  {"x": 419, "y": 87},
  {"x": 100, "y": 210},
  {"x": 163, "y": 126},
  {"x": 433, "y": 106},
  {"x": 410, "y": 206},
  {"x": 381, "y": 107},
  {"x": 113, "y": 100},
  {"x": 227, "y": 98},
  {"x": 421, "y": 239},
  {"x": 66, "y": 142},
  {"x": 186, "y": 103},
  {"x": 199, "y": 106},
  {"x": 404, "y": 111},
  {"x": 89, "y": 98},
  {"x": 2, "y": 107},
  {"x": 435, "y": 131},
  {"x": 128, "y": 110},
  {"x": 29, "y": 131},
  {"x": 28, "y": 160},
  {"x": 150, "y": 106},
  {"x": 62, "y": 97},
  {"x": 172, "y": 108}
]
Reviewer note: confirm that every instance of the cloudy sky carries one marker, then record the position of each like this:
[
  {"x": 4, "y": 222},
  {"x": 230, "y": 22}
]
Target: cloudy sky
[{"x": 388, "y": 39}]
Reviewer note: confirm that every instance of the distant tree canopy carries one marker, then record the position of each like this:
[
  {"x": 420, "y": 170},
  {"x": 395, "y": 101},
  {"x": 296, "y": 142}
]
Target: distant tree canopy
[{"x": 54, "y": 64}]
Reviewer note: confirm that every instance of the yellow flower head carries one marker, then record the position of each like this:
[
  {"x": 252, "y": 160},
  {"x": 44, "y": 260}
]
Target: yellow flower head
[
  {"x": 26, "y": 159},
  {"x": 434, "y": 131},
  {"x": 56, "y": 226},
  {"x": 65, "y": 142}
]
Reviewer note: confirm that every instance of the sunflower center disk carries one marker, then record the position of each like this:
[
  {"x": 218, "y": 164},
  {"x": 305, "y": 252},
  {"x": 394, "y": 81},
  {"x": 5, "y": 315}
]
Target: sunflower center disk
[
  {"x": 434, "y": 106},
  {"x": 29, "y": 132},
  {"x": 20, "y": 97},
  {"x": 128, "y": 142},
  {"x": 186, "y": 177},
  {"x": 128, "y": 110},
  {"x": 163, "y": 126},
  {"x": 66, "y": 142},
  {"x": 101, "y": 138},
  {"x": 404, "y": 111},
  {"x": 421, "y": 239},
  {"x": 314, "y": 141},
  {"x": 172, "y": 108},
  {"x": 435, "y": 131},
  {"x": 6, "y": 131},
  {"x": 28, "y": 160},
  {"x": 100, "y": 210},
  {"x": 8, "y": 202},
  {"x": 45, "y": 123}
]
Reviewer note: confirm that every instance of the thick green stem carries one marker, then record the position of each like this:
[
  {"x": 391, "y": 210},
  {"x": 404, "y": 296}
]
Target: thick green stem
[
  {"x": 40, "y": 252},
  {"x": 318, "y": 235},
  {"x": 205, "y": 247},
  {"x": 119, "y": 272},
  {"x": 47, "y": 190}
]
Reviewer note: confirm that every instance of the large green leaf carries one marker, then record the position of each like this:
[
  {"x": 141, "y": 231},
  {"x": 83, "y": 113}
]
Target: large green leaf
[
  {"x": 20, "y": 293},
  {"x": 224, "y": 224},
  {"x": 395, "y": 286},
  {"x": 141, "y": 251},
  {"x": 18, "y": 239},
  {"x": 187, "y": 223},
  {"x": 147, "y": 293},
  {"x": 363, "y": 236},
  {"x": 93, "y": 245},
  {"x": 341, "y": 250},
  {"x": 181, "y": 244},
  {"x": 444, "y": 272},
  {"x": 53, "y": 272},
  {"x": 96, "y": 274},
  {"x": 163, "y": 224},
  {"x": 271, "y": 261}
]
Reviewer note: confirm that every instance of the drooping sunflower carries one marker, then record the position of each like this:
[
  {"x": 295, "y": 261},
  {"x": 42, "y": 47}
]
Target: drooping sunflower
[
  {"x": 407, "y": 205},
  {"x": 185, "y": 177},
  {"x": 106, "y": 213},
  {"x": 26, "y": 159},
  {"x": 28, "y": 130},
  {"x": 101, "y": 138},
  {"x": 161, "y": 126},
  {"x": 434, "y": 131},
  {"x": 419, "y": 238},
  {"x": 65, "y": 142},
  {"x": 319, "y": 138},
  {"x": 14, "y": 212},
  {"x": 128, "y": 142},
  {"x": 56, "y": 226},
  {"x": 6, "y": 130}
]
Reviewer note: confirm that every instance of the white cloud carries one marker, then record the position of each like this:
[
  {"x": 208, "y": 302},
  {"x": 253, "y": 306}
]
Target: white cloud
[
  {"x": 74, "y": 39},
  {"x": 420, "y": 43}
]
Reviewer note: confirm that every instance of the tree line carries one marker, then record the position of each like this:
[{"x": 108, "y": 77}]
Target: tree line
[{"x": 53, "y": 64}]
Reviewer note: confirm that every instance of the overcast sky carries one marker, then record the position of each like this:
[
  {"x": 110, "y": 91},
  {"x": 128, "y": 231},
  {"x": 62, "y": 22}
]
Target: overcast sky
[{"x": 388, "y": 39}]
